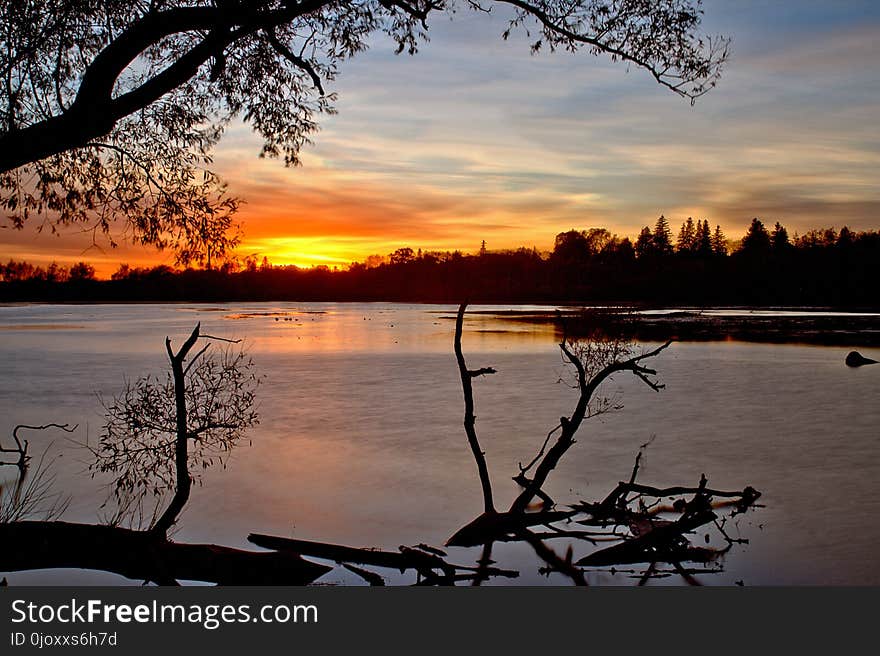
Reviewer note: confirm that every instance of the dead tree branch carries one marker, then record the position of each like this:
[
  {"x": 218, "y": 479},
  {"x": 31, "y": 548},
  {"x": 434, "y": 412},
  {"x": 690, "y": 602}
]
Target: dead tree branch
[
  {"x": 21, "y": 446},
  {"x": 469, "y": 419},
  {"x": 432, "y": 568},
  {"x": 183, "y": 483},
  {"x": 587, "y": 387}
]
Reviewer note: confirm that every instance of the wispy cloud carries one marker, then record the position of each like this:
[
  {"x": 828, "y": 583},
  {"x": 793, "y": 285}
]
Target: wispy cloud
[{"x": 475, "y": 139}]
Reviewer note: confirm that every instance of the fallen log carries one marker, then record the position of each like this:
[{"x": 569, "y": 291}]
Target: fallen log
[
  {"x": 425, "y": 562},
  {"x": 663, "y": 544},
  {"x": 138, "y": 555},
  {"x": 400, "y": 560}
]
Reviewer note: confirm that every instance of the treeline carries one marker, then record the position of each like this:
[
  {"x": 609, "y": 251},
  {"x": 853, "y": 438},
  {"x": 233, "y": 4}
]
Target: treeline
[
  {"x": 695, "y": 267},
  {"x": 54, "y": 273}
]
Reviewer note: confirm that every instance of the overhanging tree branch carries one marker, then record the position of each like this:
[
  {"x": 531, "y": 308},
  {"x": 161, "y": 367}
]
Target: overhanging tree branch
[
  {"x": 675, "y": 60},
  {"x": 103, "y": 71}
]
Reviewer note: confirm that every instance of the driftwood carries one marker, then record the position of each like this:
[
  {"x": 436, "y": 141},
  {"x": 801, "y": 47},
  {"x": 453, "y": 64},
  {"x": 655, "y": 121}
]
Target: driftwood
[
  {"x": 402, "y": 560},
  {"x": 492, "y": 524},
  {"x": 632, "y": 510},
  {"x": 139, "y": 555},
  {"x": 424, "y": 560},
  {"x": 497, "y": 525}
]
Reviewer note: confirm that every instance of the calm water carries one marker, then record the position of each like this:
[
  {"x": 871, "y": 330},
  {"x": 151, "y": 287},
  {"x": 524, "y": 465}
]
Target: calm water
[{"x": 361, "y": 440}]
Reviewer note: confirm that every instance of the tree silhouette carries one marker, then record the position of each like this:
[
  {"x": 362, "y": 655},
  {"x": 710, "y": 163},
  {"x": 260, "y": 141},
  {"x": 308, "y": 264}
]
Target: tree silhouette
[
  {"x": 719, "y": 242},
  {"x": 779, "y": 238},
  {"x": 845, "y": 238},
  {"x": 82, "y": 271},
  {"x": 402, "y": 256},
  {"x": 703, "y": 239},
  {"x": 571, "y": 247},
  {"x": 158, "y": 430},
  {"x": 757, "y": 239},
  {"x": 110, "y": 109},
  {"x": 644, "y": 243},
  {"x": 662, "y": 237},
  {"x": 687, "y": 237}
]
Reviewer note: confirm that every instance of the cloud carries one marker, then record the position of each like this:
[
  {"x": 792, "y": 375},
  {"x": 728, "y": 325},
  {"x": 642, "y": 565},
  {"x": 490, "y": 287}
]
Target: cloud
[{"x": 475, "y": 139}]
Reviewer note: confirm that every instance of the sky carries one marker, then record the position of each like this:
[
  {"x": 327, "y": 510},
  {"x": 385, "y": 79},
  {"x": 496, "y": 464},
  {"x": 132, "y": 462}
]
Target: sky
[{"x": 475, "y": 139}]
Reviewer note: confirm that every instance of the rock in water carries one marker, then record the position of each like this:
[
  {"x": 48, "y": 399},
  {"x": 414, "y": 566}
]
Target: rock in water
[{"x": 856, "y": 359}]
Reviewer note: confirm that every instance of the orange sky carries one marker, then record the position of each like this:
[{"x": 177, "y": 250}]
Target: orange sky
[{"x": 474, "y": 139}]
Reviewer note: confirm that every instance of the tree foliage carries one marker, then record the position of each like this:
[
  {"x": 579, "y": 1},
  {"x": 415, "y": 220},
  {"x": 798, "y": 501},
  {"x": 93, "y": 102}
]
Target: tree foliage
[
  {"x": 138, "y": 443},
  {"x": 110, "y": 109},
  {"x": 757, "y": 240}
]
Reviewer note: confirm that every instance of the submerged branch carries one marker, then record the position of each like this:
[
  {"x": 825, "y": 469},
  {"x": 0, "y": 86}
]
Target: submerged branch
[{"x": 469, "y": 418}]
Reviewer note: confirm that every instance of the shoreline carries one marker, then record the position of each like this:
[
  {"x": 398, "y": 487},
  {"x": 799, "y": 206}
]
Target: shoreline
[
  {"x": 802, "y": 327},
  {"x": 819, "y": 325}
]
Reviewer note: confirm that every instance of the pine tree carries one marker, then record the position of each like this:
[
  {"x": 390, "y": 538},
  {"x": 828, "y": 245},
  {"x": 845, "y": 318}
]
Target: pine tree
[
  {"x": 686, "y": 237},
  {"x": 719, "y": 242},
  {"x": 662, "y": 238},
  {"x": 779, "y": 238},
  {"x": 757, "y": 239},
  {"x": 703, "y": 239}
]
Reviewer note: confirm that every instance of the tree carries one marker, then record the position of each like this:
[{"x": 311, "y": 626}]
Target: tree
[
  {"x": 719, "y": 242},
  {"x": 845, "y": 238},
  {"x": 662, "y": 237},
  {"x": 158, "y": 430},
  {"x": 703, "y": 239},
  {"x": 402, "y": 256},
  {"x": 757, "y": 239},
  {"x": 570, "y": 247},
  {"x": 621, "y": 251},
  {"x": 16, "y": 271},
  {"x": 110, "y": 109},
  {"x": 579, "y": 246},
  {"x": 687, "y": 236},
  {"x": 82, "y": 271},
  {"x": 155, "y": 432},
  {"x": 644, "y": 243},
  {"x": 209, "y": 237},
  {"x": 779, "y": 238},
  {"x": 33, "y": 492},
  {"x": 56, "y": 273}
]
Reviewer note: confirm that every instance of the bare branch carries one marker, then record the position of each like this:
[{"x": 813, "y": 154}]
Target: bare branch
[
  {"x": 220, "y": 339},
  {"x": 587, "y": 386},
  {"x": 161, "y": 432},
  {"x": 469, "y": 418},
  {"x": 524, "y": 470}
]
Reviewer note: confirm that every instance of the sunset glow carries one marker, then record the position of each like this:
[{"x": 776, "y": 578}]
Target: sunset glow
[{"x": 473, "y": 139}]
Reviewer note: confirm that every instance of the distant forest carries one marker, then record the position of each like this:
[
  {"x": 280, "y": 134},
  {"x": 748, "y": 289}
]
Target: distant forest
[{"x": 696, "y": 267}]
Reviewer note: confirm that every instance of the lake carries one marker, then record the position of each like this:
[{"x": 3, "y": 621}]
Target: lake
[{"x": 361, "y": 440}]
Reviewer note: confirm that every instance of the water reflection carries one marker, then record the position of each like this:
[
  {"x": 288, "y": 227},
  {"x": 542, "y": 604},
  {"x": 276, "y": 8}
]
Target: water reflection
[{"x": 361, "y": 440}]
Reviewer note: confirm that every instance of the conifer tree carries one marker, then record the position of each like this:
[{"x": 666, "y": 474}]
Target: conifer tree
[
  {"x": 686, "y": 237},
  {"x": 662, "y": 237},
  {"x": 719, "y": 242}
]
